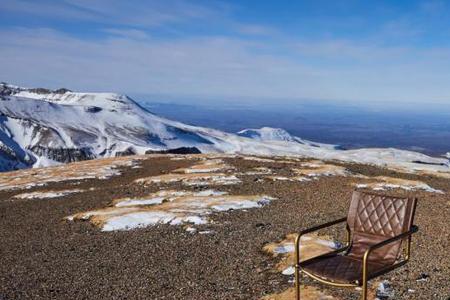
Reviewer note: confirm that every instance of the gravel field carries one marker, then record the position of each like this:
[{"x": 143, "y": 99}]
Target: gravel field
[{"x": 45, "y": 257}]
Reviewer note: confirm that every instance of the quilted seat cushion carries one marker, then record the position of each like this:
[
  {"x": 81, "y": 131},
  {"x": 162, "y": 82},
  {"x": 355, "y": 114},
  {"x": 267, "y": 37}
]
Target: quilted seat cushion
[{"x": 339, "y": 268}]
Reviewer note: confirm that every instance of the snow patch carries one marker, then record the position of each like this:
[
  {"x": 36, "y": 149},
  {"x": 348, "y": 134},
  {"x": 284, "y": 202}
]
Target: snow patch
[
  {"x": 192, "y": 179},
  {"x": 168, "y": 207},
  {"x": 92, "y": 169},
  {"x": 289, "y": 271},
  {"x": 207, "y": 166},
  {"x": 46, "y": 194},
  {"x": 319, "y": 168},
  {"x": 310, "y": 246},
  {"x": 397, "y": 183},
  {"x": 257, "y": 171}
]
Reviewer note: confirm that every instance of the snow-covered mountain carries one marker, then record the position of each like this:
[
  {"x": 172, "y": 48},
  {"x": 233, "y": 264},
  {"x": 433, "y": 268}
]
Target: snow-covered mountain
[
  {"x": 40, "y": 127},
  {"x": 265, "y": 134}
]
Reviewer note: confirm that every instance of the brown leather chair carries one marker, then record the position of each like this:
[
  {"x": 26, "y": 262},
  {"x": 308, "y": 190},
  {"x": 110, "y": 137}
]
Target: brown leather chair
[{"x": 376, "y": 228}]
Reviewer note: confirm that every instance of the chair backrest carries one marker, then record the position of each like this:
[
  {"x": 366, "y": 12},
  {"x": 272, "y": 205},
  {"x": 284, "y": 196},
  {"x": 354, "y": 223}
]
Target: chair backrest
[{"x": 374, "y": 218}]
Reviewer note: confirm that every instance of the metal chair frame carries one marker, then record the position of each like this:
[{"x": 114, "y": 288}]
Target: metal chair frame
[{"x": 365, "y": 275}]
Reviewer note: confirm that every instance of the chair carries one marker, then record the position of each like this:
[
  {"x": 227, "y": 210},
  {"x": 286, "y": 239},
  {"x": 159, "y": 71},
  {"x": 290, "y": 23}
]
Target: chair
[{"x": 377, "y": 226}]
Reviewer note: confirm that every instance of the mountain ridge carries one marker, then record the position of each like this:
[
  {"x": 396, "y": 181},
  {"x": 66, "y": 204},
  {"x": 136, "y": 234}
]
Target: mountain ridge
[{"x": 41, "y": 127}]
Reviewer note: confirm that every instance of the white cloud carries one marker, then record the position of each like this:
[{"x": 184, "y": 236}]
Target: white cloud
[
  {"x": 137, "y": 13},
  {"x": 127, "y": 33},
  {"x": 133, "y": 61}
]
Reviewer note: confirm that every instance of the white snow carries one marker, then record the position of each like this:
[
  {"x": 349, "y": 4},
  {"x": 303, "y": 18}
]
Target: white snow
[
  {"x": 210, "y": 193},
  {"x": 46, "y": 194},
  {"x": 195, "y": 220},
  {"x": 241, "y": 204},
  {"x": 191, "y": 229},
  {"x": 151, "y": 201},
  {"x": 207, "y": 165},
  {"x": 284, "y": 178},
  {"x": 265, "y": 134},
  {"x": 163, "y": 195},
  {"x": 138, "y": 219},
  {"x": 214, "y": 180},
  {"x": 192, "y": 179},
  {"x": 289, "y": 271},
  {"x": 397, "y": 183},
  {"x": 425, "y": 187},
  {"x": 326, "y": 243},
  {"x": 174, "y": 208},
  {"x": 106, "y": 124},
  {"x": 285, "y": 248},
  {"x": 319, "y": 168},
  {"x": 257, "y": 171},
  {"x": 361, "y": 185},
  {"x": 100, "y": 169}
]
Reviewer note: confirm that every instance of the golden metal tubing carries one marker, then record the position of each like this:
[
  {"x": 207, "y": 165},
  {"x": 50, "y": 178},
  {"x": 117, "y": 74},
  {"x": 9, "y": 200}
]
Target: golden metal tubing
[
  {"x": 297, "y": 249},
  {"x": 325, "y": 254},
  {"x": 388, "y": 269},
  {"x": 406, "y": 234},
  {"x": 348, "y": 236},
  {"x": 365, "y": 278},
  {"x": 329, "y": 282},
  {"x": 297, "y": 267},
  {"x": 325, "y": 225}
]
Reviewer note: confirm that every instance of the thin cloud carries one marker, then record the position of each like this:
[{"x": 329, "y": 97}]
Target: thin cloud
[
  {"x": 57, "y": 10},
  {"x": 135, "y": 13},
  {"x": 127, "y": 33},
  {"x": 219, "y": 66},
  {"x": 234, "y": 59}
]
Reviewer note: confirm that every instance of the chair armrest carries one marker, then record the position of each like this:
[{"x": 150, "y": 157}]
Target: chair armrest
[
  {"x": 404, "y": 235},
  {"x": 325, "y": 225},
  {"x": 413, "y": 229},
  {"x": 315, "y": 228}
]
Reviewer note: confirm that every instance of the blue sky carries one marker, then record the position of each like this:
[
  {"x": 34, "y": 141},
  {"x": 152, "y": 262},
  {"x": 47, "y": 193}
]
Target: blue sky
[{"x": 349, "y": 51}]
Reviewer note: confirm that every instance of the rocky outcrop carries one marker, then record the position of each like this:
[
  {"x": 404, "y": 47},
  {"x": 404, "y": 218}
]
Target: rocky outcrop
[
  {"x": 181, "y": 150},
  {"x": 92, "y": 109},
  {"x": 129, "y": 151},
  {"x": 11, "y": 160},
  {"x": 63, "y": 155},
  {"x": 7, "y": 89}
]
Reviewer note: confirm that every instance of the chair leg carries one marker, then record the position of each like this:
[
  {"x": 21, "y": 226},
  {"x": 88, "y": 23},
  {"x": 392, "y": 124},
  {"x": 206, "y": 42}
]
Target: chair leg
[
  {"x": 297, "y": 282},
  {"x": 364, "y": 290},
  {"x": 297, "y": 267}
]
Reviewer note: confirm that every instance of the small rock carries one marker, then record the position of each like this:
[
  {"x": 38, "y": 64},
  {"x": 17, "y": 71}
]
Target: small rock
[
  {"x": 385, "y": 291},
  {"x": 422, "y": 277}
]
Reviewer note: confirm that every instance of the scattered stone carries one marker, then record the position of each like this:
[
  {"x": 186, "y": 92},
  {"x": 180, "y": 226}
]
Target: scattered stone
[{"x": 422, "y": 277}]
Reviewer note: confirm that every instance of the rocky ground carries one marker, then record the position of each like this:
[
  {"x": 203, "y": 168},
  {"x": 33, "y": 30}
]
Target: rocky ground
[{"x": 44, "y": 256}]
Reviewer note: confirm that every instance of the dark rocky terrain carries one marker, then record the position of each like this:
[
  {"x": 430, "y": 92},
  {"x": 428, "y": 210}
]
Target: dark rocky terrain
[{"x": 45, "y": 257}]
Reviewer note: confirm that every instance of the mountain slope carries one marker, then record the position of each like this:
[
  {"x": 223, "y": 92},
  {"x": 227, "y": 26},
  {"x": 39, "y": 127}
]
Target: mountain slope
[
  {"x": 265, "y": 134},
  {"x": 40, "y": 127}
]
